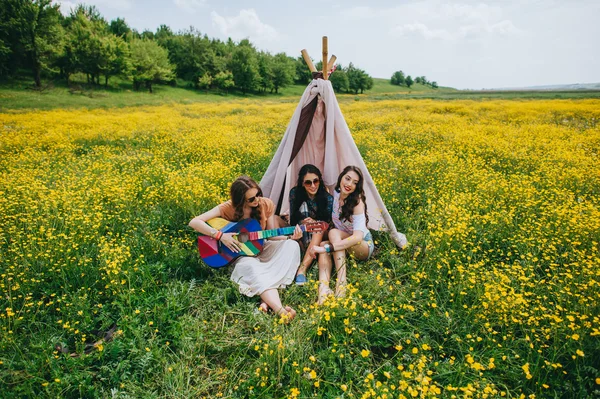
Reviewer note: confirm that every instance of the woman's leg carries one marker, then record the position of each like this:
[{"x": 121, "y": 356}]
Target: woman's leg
[
  {"x": 271, "y": 298},
  {"x": 324, "y": 277},
  {"x": 360, "y": 251},
  {"x": 308, "y": 260},
  {"x": 339, "y": 258}
]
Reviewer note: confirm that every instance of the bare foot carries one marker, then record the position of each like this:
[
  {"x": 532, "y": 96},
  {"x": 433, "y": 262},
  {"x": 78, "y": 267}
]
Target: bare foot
[
  {"x": 340, "y": 290},
  {"x": 263, "y": 307},
  {"x": 324, "y": 292},
  {"x": 287, "y": 314}
]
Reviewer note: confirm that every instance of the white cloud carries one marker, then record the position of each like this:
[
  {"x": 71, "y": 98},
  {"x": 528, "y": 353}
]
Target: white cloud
[
  {"x": 472, "y": 31},
  {"x": 246, "y": 24},
  {"x": 419, "y": 29},
  {"x": 115, "y": 4},
  {"x": 190, "y": 5},
  {"x": 67, "y": 6},
  {"x": 121, "y": 5},
  {"x": 360, "y": 12}
]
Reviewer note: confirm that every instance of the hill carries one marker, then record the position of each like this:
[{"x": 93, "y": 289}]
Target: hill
[{"x": 570, "y": 86}]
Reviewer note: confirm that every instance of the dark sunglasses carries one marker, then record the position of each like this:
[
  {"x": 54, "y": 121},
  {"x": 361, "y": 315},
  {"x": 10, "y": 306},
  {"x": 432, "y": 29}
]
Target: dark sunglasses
[
  {"x": 252, "y": 199},
  {"x": 308, "y": 183}
]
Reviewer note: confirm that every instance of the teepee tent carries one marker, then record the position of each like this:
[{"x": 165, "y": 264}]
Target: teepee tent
[{"x": 319, "y": 135}]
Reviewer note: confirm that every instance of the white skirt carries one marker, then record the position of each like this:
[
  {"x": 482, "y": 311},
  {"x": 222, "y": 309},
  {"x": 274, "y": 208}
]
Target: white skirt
[{"x": 274, "y": 267}]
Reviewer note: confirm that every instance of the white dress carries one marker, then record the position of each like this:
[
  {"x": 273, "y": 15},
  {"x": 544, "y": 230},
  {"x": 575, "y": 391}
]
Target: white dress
[{"x": 275, "y": 267}]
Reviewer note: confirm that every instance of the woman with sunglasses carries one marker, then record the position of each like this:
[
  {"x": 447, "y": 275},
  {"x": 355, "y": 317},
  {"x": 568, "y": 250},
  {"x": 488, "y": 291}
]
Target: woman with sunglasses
[
  {"x": 350, "y": 233},
  {"x": 275, "y": 267},
  {"x": 309, "y": 202}
]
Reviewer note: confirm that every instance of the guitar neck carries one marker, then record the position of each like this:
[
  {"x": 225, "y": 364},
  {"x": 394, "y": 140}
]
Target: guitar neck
[{"x": 283, "y": 231}]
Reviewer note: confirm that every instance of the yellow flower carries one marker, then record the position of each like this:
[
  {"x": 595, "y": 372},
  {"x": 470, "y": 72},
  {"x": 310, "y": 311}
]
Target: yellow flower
[
  {"x": 365, "y": 353},
  {"x": 345, "y": 387}
]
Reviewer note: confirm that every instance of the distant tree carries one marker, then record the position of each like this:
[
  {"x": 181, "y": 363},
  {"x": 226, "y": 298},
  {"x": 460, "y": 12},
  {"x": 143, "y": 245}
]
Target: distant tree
[
  {"x": 116, "y": 59},
  {"x": 397, "y": 78},
  {"x": 11, "y": 31},
  {"x": 163, "y": 33},
  {"x": 358, "y": 79},
  {"x": 119, "y": 27},
  {"x": 190, "y": 52},
  {"x": 265, "y": 71},
  {"x": 224, "y": 81},
  {"x": 205, "y": 81},
  {"x": 339, "y": 81},
  {"x": 408, "y": 81},
  {"x": 244, "y": 67},
  {"x": 150, "y": 63},
  {"x": 418, "y": 80},
  {"x": 37, "y": 36},
  {"x": 283, "y": 70},
  {"x": 303, "y": 74},
  {"x": 90, "y": 45},
  {"x": 367, "y": 82},
  {"x": 434, "y": 85},
  {"x": 148, "y": 34}
]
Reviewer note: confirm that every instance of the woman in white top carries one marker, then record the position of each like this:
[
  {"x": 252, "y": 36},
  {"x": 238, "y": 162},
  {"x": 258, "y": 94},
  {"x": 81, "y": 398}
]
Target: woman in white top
[{"x": 350, "y": 232}]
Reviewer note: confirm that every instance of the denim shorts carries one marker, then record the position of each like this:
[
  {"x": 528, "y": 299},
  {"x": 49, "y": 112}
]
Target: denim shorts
[{"x": 369, "y": 240}]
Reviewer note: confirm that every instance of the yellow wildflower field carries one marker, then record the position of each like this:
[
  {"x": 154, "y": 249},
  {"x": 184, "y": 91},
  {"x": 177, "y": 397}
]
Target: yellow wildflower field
[{"x": 497, "y": 295}]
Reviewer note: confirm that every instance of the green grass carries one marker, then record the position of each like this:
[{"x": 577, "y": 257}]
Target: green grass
[
  {"x": 93, "y": 233},
  {"x": 20, "y": 95}
]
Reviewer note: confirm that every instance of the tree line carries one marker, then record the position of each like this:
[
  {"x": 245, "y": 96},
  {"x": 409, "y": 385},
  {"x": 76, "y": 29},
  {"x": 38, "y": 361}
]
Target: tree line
[
  {"x": 36, "y": 37},
  {"x": 400, "y": 79}
]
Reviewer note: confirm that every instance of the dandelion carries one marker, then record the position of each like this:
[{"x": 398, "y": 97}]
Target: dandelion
[{"x": 365, "y": 353}]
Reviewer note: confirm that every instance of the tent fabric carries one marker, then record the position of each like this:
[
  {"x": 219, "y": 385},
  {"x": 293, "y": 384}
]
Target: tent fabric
[{"x": 328, "y": 145}]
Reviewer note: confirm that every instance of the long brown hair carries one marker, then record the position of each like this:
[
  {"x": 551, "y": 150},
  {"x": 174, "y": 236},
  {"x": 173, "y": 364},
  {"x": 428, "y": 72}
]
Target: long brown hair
[
  {"x": 354, "y": 198},
  {"x": 237, "y": 193}
]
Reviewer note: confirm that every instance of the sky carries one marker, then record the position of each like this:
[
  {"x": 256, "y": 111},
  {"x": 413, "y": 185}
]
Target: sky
[{"x": 466, "y": 44}]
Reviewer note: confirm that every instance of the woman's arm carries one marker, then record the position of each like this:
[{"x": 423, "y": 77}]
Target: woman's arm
[
  {"x": 356, "y": 237},
  {"x": 199, "y": 224}
]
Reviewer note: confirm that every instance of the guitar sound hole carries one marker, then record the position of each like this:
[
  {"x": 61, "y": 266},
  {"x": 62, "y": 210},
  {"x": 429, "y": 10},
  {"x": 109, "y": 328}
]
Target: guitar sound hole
[{"x": 243, "y": 237}]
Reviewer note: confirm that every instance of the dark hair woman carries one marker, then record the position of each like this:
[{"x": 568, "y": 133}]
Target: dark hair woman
[
  {"x": 309, "y": 202},
  {"x": 275, "y": 267},
  {"x": 350, "y": 232}
]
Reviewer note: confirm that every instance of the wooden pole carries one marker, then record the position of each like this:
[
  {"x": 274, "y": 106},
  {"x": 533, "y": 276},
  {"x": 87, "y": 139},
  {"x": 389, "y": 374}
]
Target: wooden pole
[
  {"x": 331, "y": 62},
  {"x": 308, "y": 61},
  {"x": 325, "y": 56}
]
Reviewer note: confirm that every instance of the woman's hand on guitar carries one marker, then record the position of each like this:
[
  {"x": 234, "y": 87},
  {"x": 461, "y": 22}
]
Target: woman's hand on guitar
[
  {"x": 297, "y": 233},
  {"x": 228, "y": 239},
  {"x": 307, "y": 221}
]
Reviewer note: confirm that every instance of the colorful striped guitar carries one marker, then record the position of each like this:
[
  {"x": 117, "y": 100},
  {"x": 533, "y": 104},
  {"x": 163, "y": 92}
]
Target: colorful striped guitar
[{"x": 249, "y": 234}]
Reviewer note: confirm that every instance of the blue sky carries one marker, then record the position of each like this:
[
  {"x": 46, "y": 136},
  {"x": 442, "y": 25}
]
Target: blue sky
[{"x": 466, "y": 44}]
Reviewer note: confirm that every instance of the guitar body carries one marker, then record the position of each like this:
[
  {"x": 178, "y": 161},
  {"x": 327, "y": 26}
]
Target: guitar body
[{"x": 216, "y": 255}]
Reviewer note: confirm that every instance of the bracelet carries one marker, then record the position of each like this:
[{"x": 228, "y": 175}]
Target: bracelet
[
  {"x": 218, "y": 235},
  {"x": 327, "y": 248}
]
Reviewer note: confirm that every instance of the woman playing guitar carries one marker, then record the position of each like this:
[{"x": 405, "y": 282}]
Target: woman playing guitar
[{"x": 275, "y": 267}]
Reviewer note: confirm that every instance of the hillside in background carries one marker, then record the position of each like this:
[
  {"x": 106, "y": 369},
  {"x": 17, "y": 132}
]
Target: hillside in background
[{"x": 571, "y": 86}]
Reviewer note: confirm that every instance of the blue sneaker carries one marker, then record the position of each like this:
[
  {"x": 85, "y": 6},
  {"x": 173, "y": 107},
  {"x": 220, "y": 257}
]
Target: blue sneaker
[{"x": 301, "y": 279}]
